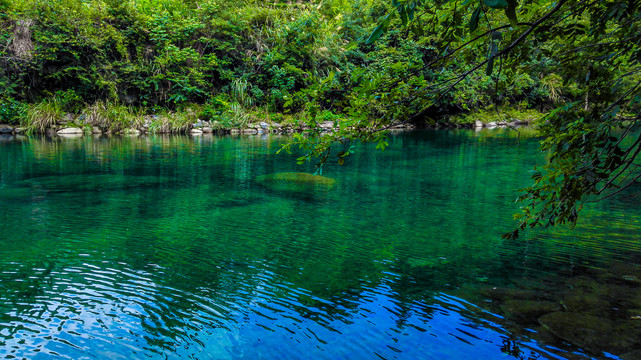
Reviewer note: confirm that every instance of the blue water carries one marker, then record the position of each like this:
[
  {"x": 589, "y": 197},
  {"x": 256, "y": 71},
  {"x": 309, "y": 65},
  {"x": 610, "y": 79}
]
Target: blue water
[{"x": 168, "y": 248}]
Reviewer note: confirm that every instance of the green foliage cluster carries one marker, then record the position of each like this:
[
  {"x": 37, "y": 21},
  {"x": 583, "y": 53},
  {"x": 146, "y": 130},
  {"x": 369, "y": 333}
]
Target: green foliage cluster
[
  {"x": 230, "y": 59},
  {"x": 578, "y": 59}
]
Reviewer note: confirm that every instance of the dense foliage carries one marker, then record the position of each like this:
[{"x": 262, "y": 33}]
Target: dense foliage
[
  {"x": 227, "y": 60},
  {"x": 585, "y": 54}
]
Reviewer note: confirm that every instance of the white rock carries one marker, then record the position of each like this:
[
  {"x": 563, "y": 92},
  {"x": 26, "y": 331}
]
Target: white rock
[
  {"x": 6, "y": 129},
  {"x": 70, "y": 131},
  {"x": 131, "y": 131}
]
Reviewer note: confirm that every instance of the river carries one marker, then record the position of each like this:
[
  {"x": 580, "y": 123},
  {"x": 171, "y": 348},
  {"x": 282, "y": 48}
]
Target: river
[{"x": 169, "y": 248}]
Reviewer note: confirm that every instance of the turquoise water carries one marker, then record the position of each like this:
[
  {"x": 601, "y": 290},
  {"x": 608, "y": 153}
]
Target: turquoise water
[{"x": 168, "y": 248}]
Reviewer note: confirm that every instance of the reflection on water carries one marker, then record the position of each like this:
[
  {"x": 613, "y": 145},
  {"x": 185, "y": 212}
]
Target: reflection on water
[{"x": 169, "y": 247}]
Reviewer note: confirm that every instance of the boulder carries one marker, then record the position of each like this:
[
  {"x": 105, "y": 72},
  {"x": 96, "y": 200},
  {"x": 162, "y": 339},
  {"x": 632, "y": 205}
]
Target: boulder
[
  {"x": 207, "y": 130},
  {"x": 632, "y": 355},
  {"x": 504, "y": 293},
  {"x": 196, "y": 132},
  {"x": 96, "y": 130},
  {"x": 593, "y": 333},
  {"x": 478, "y": 124},
  {"x": 131, "y": 131},
  {"x": 263, "y": 125},
  {"x": 295, "y": 182},
  {"x": 6, "y": 129},
  {"x": 70, "y": 131},
  {"x": 250, "y": 131},
  {"x": 528, "y": 311}
]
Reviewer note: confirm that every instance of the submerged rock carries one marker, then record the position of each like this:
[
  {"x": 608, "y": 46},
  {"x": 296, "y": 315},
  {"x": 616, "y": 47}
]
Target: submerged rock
[
  {"x": 593, "y": 333},
  {"x": 81, "y": 183},
  {"x": 632, "y": 355},
  {"x": 504, "y": 293},
  {"x": 296, "y": 182},
  {"x": 528, "y": 311}
]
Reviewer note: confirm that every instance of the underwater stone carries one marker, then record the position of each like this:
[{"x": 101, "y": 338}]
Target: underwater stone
[
  {"x": 632, "y": 355},
  {"x": 624, "y": 273},
  {"x": 593, "y": 333},
  {"x": 294, "y": 181},
  {"x": 502, "y": 293},
  {"x": 584, "y": 301},
  {"x": 528, "y": 311}
]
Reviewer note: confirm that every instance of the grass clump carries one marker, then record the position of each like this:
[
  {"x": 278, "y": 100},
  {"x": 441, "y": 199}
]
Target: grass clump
[
  {"x": 111, "y": 116},
  {"x": 172, "y": 122},
  {"x": 42, "y": 115}
]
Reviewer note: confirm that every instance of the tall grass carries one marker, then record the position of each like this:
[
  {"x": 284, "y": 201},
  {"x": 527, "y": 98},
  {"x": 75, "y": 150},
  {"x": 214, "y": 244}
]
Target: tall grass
[
  {"x": 42, "y": 115},
  {"x": 173, "y": 122},
  {"x": 112, "y": 116}
]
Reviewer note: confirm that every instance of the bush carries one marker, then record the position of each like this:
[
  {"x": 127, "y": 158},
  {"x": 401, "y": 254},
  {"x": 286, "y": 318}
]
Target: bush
[{"x": 11, "y": 111}]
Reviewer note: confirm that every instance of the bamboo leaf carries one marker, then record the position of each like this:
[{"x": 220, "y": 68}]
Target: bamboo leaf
[
  {"x": 510, "y": 12},
  {"x": 474, "y": 21}
]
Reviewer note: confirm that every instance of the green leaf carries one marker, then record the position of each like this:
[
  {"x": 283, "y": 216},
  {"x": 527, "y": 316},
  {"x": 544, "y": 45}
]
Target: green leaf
[
  {"x": 403, "y": 12},
  {"x": 410, "y": 13},
  {"x": 490, "y": 66},
  {"x": 474, "y": 21},
  {"x": 379, "y": 30},
  {"x": 510, "y": 12},
  {"x": 496, "y": 4},
  {"x": 351, "y": 46}
]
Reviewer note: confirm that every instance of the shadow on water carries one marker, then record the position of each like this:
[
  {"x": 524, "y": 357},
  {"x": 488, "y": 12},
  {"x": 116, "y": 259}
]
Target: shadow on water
[{"x": 174, "y": 247}]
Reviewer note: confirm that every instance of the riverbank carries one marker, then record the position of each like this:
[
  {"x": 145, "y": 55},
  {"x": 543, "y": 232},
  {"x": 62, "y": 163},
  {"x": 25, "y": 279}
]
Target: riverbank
[{"x": 89, "y": 122}]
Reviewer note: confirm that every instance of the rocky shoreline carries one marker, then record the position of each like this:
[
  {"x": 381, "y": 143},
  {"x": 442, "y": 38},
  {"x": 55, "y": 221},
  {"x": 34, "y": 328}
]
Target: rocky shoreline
[{"x": 70, "y": 128}]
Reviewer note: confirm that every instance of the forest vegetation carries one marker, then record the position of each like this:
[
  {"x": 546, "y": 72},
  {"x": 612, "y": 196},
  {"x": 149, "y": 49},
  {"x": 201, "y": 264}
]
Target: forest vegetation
[
  {"x": 238, "y": 60},
  {"x": 363, "y": 65}
]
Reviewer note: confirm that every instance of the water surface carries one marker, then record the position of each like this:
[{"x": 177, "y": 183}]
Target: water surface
[{"x": 168, "y": 248}]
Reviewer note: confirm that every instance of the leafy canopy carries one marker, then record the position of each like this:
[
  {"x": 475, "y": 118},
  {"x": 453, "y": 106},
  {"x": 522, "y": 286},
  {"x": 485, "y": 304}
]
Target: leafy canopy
[{"x": 585, "y": 53}]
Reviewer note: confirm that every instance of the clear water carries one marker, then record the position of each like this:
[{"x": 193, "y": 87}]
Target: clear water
[{"x": 167, "y": 248}]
